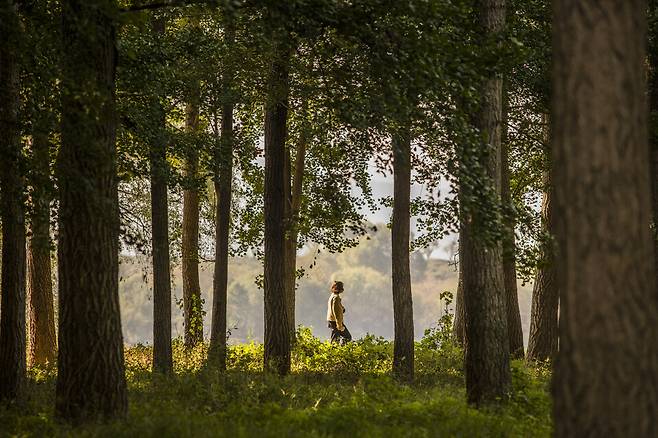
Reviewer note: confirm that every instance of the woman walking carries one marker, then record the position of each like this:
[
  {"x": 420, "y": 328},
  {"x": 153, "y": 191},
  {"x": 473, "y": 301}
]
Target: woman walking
[{"x": 335, "y": 311}]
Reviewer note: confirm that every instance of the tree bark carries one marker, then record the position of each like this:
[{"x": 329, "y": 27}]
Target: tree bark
[
  {"x": 543, "y": 337},
  {"x": 277, "y": 329},
  {"x": 403, "y": 345},
  {"x": 192, "y": 304},
  {"x": 293, "y": 208},
  {"x": 91, "y": 383},
  {"x": 12, "y": 286},
  {"x": 488, "y": 376},
  {"x": 653, "y": 127},
  {"x": 606, "y": 372},
  {"x": 514, "y": 327},
  {"x": 223, "y": 179},
  {"x": 162, "y": 353},
  {"x": 43, "y": 343}
]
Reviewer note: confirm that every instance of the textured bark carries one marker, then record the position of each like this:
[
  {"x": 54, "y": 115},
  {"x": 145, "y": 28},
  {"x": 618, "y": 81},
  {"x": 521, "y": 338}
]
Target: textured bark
[
  {"x": 653, "y": 130},
  {"x": 293, "y": 207},
  {"x": 605, "y": 381},
  {"x": 403, "y": 345},
  {"x": 43, "y": 343},
  {"x": 543, "y": 337},
  {"x": 223, "y": 179},
  {"x": 514, "y": 327},
  {"x": 12, "y": 286},
  {"x": 90, "y": 381},
  {"x": 162, "y": 354},
  {"x": 488, "y": 376},
  {"x": 192, "y": 304},
  {"x": 277, "y": 329},
  {"x": 458, "y": 327}
]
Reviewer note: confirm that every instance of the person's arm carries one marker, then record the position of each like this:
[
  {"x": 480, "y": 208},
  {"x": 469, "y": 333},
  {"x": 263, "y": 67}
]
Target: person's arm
[{"x": 338, "y": 313}]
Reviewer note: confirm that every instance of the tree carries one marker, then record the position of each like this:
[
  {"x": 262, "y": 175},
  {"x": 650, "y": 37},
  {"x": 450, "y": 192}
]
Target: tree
[
  {"x": 12, "y": 286},
  {"x": 162, "y": 354},
  {"x": 192, "y": 304},
  {"x": 543, "y": 336},
  {"x": 91, "y": 381},
  {"x": 403, "y": 351},
  {"x": 514, "y": 328},
  {"x": 277, "y": 330},
  {"x": 607, "y": 362},
  {"x": 43, "y": 343},
  {"x": 223, "y": 176},
  {"x": 488, "y": 376}
]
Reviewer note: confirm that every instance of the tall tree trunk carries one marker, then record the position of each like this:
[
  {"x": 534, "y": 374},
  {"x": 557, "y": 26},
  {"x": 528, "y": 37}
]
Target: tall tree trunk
[
  {"x": 653, "y": 127},
  {"x": 277, "y": 329},
  {"x": 223, "y": 179},
  {"x": 43, "y": 343},
  {"x": 488, "y": 376},
  {"x": 91, "y": 381},
  {"x": 192, "y": 304},
  {"x": 459, "y": 324},
  {"x": 543, "y": 337},
  {"x": 606, "y": 372},
  {"x": 514, "y": 327},
  {"x": 293, "y": 208},
  {"x": 403, "y": 346},
  {"x": 12, "y": 287},
  {"x": 162, "y": 354}
]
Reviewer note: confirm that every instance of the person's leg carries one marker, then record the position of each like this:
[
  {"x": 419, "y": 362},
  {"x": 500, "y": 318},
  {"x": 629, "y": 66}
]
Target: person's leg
[
  {"x": 347, "y": 335},
  {"x": 335, "y": 334}
]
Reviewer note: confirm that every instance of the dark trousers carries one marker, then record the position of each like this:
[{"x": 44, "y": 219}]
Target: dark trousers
[{"x": 337, "y": 336}]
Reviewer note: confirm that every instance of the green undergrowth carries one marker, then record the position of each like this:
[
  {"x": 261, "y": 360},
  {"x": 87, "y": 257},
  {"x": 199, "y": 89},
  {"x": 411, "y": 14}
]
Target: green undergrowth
[{"x": 332, "y": 391}]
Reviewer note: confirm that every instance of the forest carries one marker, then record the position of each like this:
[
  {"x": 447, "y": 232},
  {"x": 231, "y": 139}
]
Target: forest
[{"x": 199, "y": 197}]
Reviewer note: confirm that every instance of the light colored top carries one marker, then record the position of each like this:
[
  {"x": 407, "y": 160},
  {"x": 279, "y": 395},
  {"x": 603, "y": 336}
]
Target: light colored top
[{"x": 335, "y": 311}]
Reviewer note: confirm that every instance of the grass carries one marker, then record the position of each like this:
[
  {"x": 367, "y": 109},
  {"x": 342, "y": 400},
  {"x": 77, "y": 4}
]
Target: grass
[{"x": 332, "y": 391}]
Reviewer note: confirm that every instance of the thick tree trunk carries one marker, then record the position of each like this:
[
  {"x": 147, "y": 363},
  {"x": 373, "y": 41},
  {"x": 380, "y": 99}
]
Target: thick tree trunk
[
  {"x": 514, "y": 327},
  {"x": 293, "y": 208},
  {"x": 192, "y": 304},
  {"x": 12, "y": 287},
  {"x": 162, "y": 353},
  {"x": 43, "y": 343},
  {"x": 653, "y": 131},
  {"x": 403, "y": 346},
  {"x": 606, "y": 372},
  {"x": 90, "y": 381},
  {"x": 542, "y": 341},
  {"x": 223, "y": 179},
  {"x": 277, "y": 329},
  {"x": 488, "y": 376}
]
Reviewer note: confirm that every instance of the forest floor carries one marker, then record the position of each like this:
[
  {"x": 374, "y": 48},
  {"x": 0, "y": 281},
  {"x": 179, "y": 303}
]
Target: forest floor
[{"x": 332, "y": 391}]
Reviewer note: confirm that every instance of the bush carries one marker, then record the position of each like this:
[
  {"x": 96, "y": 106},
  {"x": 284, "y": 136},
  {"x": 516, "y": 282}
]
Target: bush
[{"x": 332, "y": 391}]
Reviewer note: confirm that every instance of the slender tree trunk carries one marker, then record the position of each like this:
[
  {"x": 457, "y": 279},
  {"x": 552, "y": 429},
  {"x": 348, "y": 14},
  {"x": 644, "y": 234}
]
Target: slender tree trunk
[
  {"x": 91, "y": 381},
  {"x": 488, "y": 376},
  {"x": 43, "y": 343},
  {"x": 542, "y": 342},
  {"x": 606, "y": 372},
  {"x": 403, "y": 346},
  {"x": 277, "y": 329},
  {"x": 514, "y": 327},
  {"x": 458, "y": 327},
  {"x": 12, "y": 286},
  {"x": 162, "y": 354},
  {"x": 293, "y": 208},
  {"x": 223, "y": 179},
  {"x": 192, "y": 304}
]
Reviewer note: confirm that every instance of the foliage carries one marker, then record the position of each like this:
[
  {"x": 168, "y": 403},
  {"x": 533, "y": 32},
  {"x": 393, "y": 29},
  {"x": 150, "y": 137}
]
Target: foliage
[{"x": 332, "y": 391}]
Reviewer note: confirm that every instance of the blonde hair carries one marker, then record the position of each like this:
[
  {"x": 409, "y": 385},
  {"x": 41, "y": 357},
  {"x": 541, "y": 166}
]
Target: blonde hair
[{"x": 337, "y": 287}]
